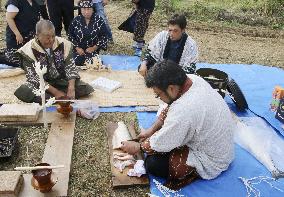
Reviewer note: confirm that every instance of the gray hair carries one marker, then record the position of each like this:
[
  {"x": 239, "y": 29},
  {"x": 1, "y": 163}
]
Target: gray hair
[{"x": 43, "y": 26}]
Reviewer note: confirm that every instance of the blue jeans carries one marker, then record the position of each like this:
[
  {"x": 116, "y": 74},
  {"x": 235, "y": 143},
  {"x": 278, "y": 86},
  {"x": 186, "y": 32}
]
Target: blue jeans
[{"x": 99, "y": 9}]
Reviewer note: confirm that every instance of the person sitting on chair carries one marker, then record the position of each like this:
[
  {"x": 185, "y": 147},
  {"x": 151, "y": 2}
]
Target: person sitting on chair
[
  {"x": 174, "y": 44},
  {"x": 56, "y": 54},
  {"x": 88, "y": 33},
  {"x": 193, "y": 136}
]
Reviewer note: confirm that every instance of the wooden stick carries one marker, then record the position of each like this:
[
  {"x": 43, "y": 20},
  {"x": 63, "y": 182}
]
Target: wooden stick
[
  {"x": 73, "y": 101},
  {"x": 39, "y": 167}
]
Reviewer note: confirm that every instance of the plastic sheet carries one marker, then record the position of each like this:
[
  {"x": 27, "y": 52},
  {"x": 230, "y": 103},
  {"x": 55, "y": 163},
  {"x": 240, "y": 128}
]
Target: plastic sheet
[
  {"x": 87, "y": 109},
  {"x": 259, "y": 139}
]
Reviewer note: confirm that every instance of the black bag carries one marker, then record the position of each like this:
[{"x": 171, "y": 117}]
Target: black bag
[
  {"x": 280, "y": 111},
  {"x": 129, "y": 24}
]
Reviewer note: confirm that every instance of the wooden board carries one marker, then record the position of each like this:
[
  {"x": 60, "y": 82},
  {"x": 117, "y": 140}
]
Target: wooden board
[
  {"x": 19, "y": 112},
  {"x": 53, "y": 116},
  {"x": 58, "y": 151},
  {"x": 11, "y": 182},
  {"x": 122, "y": 179}
]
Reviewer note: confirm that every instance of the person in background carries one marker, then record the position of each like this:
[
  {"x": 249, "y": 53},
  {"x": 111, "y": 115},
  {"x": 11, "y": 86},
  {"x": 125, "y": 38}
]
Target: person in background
[
  {"x": 61, "y": 11},
  {"x": 21, "y": 17},
  {"x": 98, "y": 5},
  {"x": 43, "y": 9},
  {"x": 88, "y": 33},
  {"x": 56, "y": 54},
  {"x": 193, "y": 136},
  {"x": 174, "y": 44},
  {"x": 144, "y": 9}
]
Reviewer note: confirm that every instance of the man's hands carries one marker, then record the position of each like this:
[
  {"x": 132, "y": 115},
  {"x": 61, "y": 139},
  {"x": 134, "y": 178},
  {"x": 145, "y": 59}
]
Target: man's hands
[
  {"x": 130, "y": 147},
  {"x": 19, "y": 38},
  {"x": 58, "y": 94},
  {"x": 71, "y": 93},
  {"x": 143, "y": 69},
  {"x": 91, "y": 49},
  {"x": 105, "y": 2},
  {"x": 71, "y": 89},
  {"x": 144, "y": 134},
  {"x": 81, "y": 51}
]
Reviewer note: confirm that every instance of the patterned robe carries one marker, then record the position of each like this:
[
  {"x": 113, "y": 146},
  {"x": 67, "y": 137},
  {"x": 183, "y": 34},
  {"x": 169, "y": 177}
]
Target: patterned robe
[
  {"x": 84, "y": 36},
  {"x": 158, "y": 45},
  {"x": 60, "y": 64}
]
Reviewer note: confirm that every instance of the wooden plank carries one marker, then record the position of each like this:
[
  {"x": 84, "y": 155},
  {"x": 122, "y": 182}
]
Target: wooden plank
[
  {"x": 121, "y": 179},
  {"x": 19, "y": 112},
  {"x": 53, "y": 116},
  {"x": 11, "y": 183},
  {"x": 58, "y": 151}
]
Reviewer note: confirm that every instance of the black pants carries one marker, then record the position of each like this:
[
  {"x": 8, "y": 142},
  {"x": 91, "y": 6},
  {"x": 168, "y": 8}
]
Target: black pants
[
  {"x": 25, "y": 93},
  {"x": 61, "y": 10},
  {"x": 43, "y": 12},
  {"x": 141, "y": 24},
  {"x": 158, "y": 164}
]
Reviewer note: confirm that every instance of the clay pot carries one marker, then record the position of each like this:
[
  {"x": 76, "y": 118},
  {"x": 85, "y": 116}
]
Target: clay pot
[
  {"x": 64, "y": 107},
  {"x": 41, "y": 179}
]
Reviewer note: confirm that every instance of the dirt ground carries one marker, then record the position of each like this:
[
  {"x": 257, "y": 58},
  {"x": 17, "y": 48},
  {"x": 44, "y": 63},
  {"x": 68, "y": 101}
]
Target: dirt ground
[{"x": 246, "y": 45}]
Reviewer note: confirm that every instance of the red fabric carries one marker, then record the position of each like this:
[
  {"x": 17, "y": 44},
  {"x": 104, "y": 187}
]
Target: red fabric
[{"x": 180, "y": 174}]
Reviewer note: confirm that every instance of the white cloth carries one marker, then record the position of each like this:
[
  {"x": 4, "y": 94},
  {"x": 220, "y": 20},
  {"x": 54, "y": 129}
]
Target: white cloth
[
  {"x": 200, "y": 119},
  {"x": 12, "y": 8},
  {"x": 48, "y": 51},
  {"x": 138, "y": 169},
  {"x": 158, "y": 43}
]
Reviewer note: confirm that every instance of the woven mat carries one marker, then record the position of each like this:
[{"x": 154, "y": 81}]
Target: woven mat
[
  {"x": 133, "y": 92},
  {"x": 8, "y": 86}
]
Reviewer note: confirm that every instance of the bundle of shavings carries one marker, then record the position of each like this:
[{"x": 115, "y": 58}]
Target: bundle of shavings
[{"x": 95, "y": 63}]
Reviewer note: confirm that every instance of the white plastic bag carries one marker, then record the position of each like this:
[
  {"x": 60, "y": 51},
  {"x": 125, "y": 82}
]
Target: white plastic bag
[
  {"x": 87, "y": 109},
  {"x": 262, "y": 141}
]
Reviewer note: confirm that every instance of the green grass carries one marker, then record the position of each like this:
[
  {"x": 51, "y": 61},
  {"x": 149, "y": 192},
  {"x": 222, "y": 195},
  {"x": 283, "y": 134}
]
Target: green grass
[{"x": 251, "y": 12}]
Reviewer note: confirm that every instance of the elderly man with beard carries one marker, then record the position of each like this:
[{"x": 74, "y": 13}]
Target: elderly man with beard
[
  {"x": 174, "y": 44},
  {"x": 56, "y": 54}
]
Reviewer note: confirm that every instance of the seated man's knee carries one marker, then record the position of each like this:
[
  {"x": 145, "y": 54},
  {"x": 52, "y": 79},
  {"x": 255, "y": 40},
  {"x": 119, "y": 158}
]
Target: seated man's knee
[
  {"x": 80, "y": 60},
  {"x": 24, "y": 93},
  {"x": 157, "y": 165},
  {"x": 82, "y": 89}
]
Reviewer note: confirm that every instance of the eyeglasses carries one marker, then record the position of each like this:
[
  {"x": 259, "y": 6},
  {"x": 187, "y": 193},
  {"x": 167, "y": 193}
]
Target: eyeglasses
[{"x": 158, "y": 95}]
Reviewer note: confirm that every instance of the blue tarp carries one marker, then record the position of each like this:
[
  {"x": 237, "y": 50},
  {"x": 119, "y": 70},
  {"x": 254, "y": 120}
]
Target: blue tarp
[
  {"x": 4, "y": 66},
  {"x": 257, "y": 82}
]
